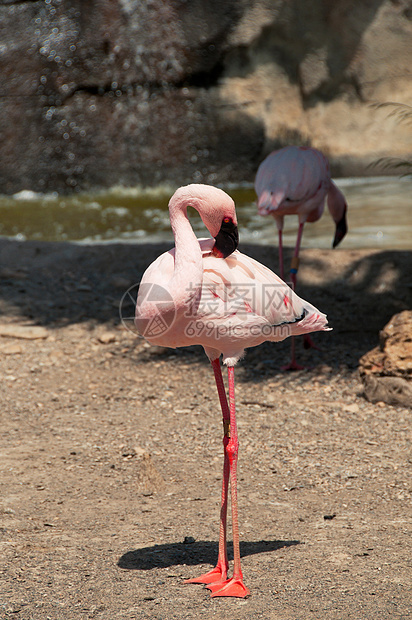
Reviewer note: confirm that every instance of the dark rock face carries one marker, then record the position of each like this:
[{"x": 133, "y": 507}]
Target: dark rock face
[
  {"x": 110, "y": 92},
  {"x": 386, "y": 371}
]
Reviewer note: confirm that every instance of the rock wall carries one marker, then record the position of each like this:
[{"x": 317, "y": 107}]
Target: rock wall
[
  {"x": 102, "y": 92},
  {"x": 386, "y": 371}
]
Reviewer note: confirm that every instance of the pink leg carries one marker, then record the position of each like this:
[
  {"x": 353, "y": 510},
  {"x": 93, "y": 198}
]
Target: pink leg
[
  {"x": 293, "y": 365},
  {"x": 219, "y": 573},
  {"x": 235, "y": 585},
  {"x": 281, "y": 270},
  {"x": 295, "y": 260},
  {"x": 309, "y": 344},
  {"x": 307, "y": 340}
]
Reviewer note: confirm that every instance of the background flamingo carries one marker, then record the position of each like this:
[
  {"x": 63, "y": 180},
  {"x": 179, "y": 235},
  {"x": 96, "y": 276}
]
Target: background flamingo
[
  {"x": 205, "y": 292},
  {"x": 296, "y": 180}
]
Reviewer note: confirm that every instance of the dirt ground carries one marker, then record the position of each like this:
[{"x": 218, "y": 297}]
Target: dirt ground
[{"x": 111, "y": 455}]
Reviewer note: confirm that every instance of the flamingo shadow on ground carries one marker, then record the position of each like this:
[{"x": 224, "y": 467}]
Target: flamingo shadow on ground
[{"x": 192, "y": 554}]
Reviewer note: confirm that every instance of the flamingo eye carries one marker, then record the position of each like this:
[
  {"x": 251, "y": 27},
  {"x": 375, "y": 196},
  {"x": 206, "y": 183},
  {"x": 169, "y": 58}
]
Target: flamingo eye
[{"x": 227, "y": 220}]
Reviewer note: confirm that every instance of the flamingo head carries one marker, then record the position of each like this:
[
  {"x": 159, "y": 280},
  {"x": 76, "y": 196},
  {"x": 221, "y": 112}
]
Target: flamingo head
[
  {"x": 227, "y": 239},
  {"x": 341, "y": 229},
  {"x": 338, "y": 208},
  {"x": 217, "y": 210}
]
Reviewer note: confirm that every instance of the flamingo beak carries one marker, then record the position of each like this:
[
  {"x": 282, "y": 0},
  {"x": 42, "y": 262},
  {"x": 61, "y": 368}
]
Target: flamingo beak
[
  {"x": 341, "y": 230},
  {"x": 217, "y": 252},
  {"x": 227, "y": 239}
]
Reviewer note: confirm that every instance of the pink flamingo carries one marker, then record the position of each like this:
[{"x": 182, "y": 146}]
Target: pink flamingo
[
  {"x": 205, "y": 292},
  {"x": 296, "y": 180}
]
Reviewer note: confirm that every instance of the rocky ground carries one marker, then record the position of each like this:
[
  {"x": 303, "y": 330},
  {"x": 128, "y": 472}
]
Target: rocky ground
[{"x": 111, "y": 451}]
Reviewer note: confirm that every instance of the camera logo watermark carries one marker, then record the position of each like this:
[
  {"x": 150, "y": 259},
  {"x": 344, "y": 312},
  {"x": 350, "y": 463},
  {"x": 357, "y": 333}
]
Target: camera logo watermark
[{"x": 161, "y": 318}]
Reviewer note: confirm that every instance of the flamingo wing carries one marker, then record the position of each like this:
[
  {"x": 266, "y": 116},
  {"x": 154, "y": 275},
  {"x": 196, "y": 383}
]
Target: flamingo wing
[
  {"x": 246, "y": 289},
  {"x": 291, "y": 177}
]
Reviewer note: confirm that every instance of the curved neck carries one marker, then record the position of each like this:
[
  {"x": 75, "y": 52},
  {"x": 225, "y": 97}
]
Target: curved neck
[
  {"x": 187, "y": 277},
  {"x": 336, "y": 203}
]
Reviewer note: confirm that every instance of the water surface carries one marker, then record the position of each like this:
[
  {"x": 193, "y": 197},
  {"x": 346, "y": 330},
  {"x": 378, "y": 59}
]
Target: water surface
[{"x": 379, "y": 216}]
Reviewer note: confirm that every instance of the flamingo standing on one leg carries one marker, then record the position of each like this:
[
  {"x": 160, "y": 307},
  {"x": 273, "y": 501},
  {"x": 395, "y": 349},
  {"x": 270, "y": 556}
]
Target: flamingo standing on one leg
[
  {"x": 206, "y": 292},
  {"x": 296, "y": 180}
]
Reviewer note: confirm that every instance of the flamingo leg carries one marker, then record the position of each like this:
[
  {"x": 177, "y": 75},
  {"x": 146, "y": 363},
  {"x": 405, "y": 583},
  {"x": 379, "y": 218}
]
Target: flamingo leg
[
  {"x": 219, "y": 573},
  {"x": 293, "y": 365},
  {"x": 295, "y": 261},
  {"x": 307, "y": 340},
  {"x": 309, "y": 344},
  {"x": 235, "y": 585},
  {"x": 281, "y": 269}
]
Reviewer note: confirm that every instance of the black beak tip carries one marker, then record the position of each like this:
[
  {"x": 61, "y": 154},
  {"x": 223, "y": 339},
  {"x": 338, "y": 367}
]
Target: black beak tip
[
  {"x": 340, "y": 231},
  {"x": 227, "y": 239}
]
